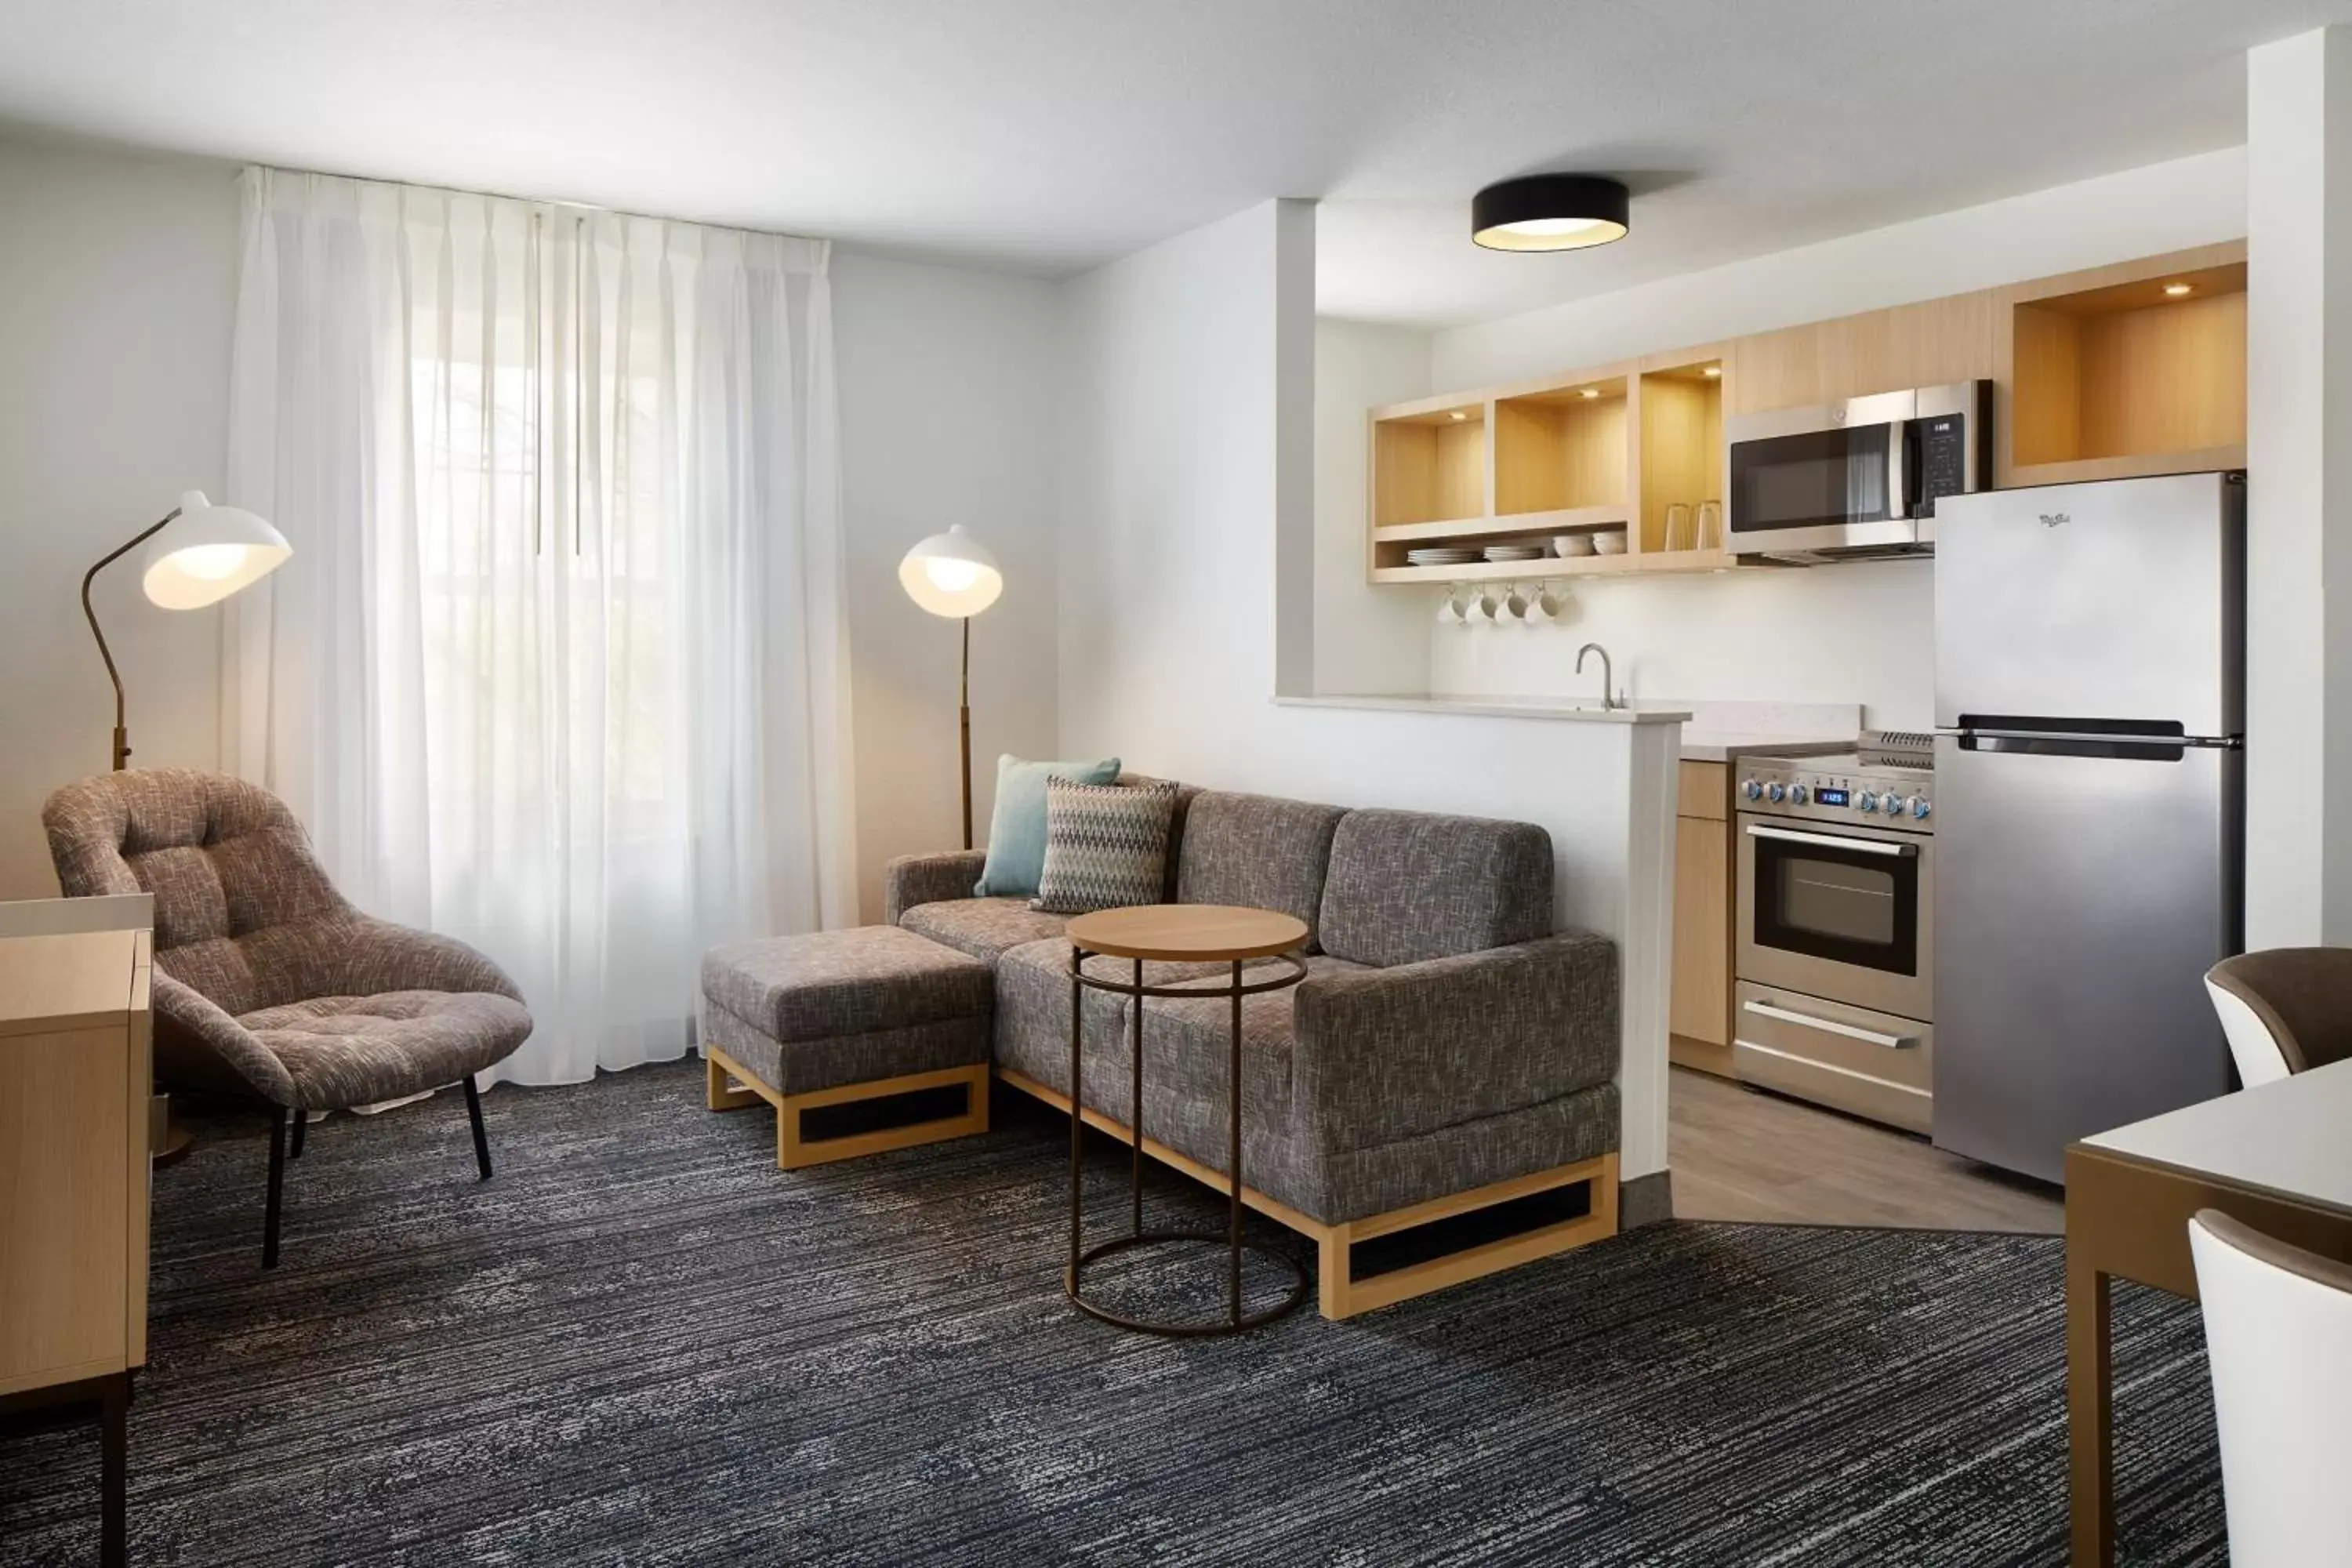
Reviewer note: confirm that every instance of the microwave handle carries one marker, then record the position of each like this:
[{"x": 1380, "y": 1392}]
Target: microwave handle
[{"x": 1902, "y": 467}]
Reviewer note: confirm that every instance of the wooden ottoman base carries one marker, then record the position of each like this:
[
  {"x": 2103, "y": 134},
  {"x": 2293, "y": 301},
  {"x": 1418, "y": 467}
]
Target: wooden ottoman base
[{"x": 729, "y": 1087}]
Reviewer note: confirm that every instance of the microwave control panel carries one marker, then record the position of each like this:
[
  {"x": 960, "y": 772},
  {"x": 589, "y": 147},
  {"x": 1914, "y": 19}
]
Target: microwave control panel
[{"x": 1943, "y": 459}]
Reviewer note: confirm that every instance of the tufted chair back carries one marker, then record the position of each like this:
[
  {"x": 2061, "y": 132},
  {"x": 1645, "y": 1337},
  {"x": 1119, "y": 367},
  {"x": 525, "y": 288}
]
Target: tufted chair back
[{"x": 244, "y": 912}]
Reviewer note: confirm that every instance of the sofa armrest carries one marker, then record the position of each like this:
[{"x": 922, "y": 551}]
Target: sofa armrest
[
  {"x": 225, "y": 1053},
  {"x": 1384, "y": 1054},
  {"x": 911, "y": 879}
]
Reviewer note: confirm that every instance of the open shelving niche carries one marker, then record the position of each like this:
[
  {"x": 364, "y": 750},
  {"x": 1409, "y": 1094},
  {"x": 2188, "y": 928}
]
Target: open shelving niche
[
  {"x": 2125, "y": 371},
  {"x": 1604, "y": 450}
]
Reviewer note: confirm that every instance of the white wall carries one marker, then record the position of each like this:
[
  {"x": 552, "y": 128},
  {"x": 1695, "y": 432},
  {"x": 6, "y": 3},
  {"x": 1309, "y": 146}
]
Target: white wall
[
  {"x": 2299, "y": 497},
  {"x": 1367, "y": 639},
  {"x": 951, "y": 399},
  {"x": 1842, "y": 634},
  {"x": 1174, "y": 441},
  {"x": 117, "y": 281}
]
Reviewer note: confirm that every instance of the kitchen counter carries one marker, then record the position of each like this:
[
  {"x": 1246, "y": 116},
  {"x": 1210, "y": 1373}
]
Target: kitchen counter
[{"x": 1712, "y": 731}]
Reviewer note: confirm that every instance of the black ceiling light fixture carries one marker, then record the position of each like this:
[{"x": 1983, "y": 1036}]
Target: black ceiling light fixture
[{"x": 1549, "y": 211}]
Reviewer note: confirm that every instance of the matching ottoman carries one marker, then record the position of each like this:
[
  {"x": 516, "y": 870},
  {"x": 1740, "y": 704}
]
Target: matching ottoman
[{"x": 863, "y": 1041}]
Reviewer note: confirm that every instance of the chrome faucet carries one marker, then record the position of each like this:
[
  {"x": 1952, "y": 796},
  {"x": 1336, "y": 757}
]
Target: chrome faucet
[{"x": 1608, "y": 680}]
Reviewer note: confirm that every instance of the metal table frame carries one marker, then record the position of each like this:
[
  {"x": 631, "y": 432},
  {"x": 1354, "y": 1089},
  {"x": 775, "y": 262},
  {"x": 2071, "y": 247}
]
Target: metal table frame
[{"x": 1138, "y": 1238}]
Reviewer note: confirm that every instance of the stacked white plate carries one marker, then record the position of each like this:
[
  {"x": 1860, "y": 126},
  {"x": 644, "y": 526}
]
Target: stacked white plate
[
  {"x": 1514, "y": 552},
  {"x": 1441, "y": 555}
]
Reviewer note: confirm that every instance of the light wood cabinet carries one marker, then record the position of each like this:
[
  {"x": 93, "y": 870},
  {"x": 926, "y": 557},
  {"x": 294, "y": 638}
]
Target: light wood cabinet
[
  {"x": 1699, "y": 1008},
  {"x": 2138, "y": 368},
  {"x": 75, "y": 1053}
]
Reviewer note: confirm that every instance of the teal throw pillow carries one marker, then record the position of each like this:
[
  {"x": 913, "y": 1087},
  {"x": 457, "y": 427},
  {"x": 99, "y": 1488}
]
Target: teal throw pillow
[{"x": 1016, "y": 834}]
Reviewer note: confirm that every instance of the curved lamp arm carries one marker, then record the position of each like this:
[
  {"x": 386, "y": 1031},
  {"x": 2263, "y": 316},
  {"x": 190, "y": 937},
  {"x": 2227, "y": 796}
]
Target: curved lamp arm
[{"x": 121, "y": 738}]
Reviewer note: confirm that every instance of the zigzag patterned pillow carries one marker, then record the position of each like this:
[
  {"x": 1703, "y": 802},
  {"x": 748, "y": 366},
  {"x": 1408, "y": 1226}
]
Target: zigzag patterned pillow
[{"x": 1106, "y": 846}]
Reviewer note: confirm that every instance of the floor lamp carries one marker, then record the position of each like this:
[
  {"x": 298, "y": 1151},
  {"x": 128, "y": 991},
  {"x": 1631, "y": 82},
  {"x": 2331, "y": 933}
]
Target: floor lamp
[
  {"x": 953, "y": 574},
  {"x": 212, "y": 552},
  {"x": 198, "y": 555}
]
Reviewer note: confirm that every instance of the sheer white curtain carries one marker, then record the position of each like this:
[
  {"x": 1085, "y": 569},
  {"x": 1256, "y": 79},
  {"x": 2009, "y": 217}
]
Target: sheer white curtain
[{"x": 559, "y": 663}]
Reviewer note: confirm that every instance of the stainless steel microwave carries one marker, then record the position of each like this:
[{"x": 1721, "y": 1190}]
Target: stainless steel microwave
[{"x": 1856, "y": 478}]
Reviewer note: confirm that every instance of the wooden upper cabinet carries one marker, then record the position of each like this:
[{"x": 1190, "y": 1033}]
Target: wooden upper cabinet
[
  {"x": 1927, "y": 344},
  {"x": 2139, "y": 368}
]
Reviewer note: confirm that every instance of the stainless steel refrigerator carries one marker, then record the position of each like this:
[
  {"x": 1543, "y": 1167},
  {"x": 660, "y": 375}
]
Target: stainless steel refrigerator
[{"x": 2089, "y": 767}]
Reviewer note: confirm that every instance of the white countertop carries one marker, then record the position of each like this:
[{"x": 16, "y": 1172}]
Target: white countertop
[
  {"x": 1712, "y": 731},
  {"x": 1576, "y": 711}
]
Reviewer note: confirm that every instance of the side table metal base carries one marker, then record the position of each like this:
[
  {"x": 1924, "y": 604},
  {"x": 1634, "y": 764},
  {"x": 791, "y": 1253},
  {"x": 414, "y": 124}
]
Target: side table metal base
[
  {"x": 1231, "y": 1325},
  {"x": 1278, "y": 936}
]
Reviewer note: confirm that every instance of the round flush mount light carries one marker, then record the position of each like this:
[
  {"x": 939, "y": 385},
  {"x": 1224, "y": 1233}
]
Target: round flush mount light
[{"x": 1549, "y": 211}]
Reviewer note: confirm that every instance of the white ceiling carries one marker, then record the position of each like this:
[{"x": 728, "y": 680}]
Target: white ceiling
[{"x": 1050, "y": 135}]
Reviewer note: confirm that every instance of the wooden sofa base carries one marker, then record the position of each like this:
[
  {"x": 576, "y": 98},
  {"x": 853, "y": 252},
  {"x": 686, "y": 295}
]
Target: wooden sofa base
[
  {"x": 1340, "y": 1294},
  {"x": 726, "y": 1086}
]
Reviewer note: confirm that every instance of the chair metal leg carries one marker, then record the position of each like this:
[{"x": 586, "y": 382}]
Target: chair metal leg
[
  {"x": 301, "y": 1127},
  {"x": 276, "y": 1185},
  {"x": 481, "y": 1137}
]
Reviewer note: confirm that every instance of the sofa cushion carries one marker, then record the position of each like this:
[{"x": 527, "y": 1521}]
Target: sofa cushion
[
  {"x": 1257, "y": 852},
  {"x": 984, "y": 927},
  {"x": 1016, "y": 831},
  {"x": 1185, "y": 796},
  {"x": 1106, "y": 846},
  {"x": 825, "y": 985},
  {"x": 1406, "y": 886}
]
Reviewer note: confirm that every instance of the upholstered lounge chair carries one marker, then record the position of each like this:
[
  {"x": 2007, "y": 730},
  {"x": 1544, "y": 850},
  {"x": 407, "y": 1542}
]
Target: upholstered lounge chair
[{"x": 268, "y": 982}]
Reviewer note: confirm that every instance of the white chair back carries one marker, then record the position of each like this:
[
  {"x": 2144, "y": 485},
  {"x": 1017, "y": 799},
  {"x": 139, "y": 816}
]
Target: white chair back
[
  {"x": 2252, "y": 1045},
  {"x": 2278, "y": 1335}
]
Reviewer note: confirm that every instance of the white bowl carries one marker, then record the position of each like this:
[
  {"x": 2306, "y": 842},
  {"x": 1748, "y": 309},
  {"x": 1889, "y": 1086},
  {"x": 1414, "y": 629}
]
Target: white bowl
[
  {"x": 1570, "y": 545},
  {"x": 1609, "y": 543}
]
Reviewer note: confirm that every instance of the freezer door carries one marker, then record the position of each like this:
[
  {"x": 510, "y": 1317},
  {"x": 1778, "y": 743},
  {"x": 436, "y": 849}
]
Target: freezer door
[
  {"x": 2115, "y": 600},
  {"x": 2079, "y": 901}
]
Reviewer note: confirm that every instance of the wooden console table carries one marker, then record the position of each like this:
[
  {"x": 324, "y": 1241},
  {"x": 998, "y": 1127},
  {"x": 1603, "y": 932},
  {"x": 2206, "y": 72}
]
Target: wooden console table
[
  {"x": 74, "y": 1076},
  {"x": 2278, "y": 1158}
]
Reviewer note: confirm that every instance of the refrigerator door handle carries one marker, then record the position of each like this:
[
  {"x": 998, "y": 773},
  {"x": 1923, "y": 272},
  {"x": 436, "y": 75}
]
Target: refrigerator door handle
[
  {"x": 1830, "y": 1026},
  {"x": 1831, "y": 841},
  {"x": 2217, "y": 742}
]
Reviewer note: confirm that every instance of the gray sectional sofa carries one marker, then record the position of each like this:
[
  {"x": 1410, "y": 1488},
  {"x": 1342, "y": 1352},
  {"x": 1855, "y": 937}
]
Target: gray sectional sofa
[{"x": 1447, "y": 1053}]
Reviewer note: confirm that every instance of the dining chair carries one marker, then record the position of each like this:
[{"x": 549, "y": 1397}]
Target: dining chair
[
  {"x": 2278, "y": 1340},
  {"x": 2285, "y": 1010}
]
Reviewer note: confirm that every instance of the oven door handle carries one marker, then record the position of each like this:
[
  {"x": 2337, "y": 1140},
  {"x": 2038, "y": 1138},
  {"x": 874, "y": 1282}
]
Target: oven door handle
[
  {"x": 1830, "y": 1026},
  {"x": 1831, "y": 841}
]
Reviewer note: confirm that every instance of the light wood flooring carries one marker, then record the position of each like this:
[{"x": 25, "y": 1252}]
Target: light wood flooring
[{"x": 1742, "y": 1155}]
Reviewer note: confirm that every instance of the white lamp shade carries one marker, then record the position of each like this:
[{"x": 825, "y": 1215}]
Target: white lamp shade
[
  {"x": 952, "y": 574},
  {"x": 208, "y": 552}
]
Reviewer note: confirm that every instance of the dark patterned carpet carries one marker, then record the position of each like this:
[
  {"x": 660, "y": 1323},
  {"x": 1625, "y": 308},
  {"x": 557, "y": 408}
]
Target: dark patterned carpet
[{"x": 641, "y": 1343}]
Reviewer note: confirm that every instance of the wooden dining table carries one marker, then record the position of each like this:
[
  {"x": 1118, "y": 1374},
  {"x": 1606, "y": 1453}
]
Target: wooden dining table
[{"x": 2278, "y": 1157}]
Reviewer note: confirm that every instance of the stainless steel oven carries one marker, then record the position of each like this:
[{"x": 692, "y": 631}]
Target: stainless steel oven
[
  {"x": 1836, "y": 953},
  {"x": 1838, "y": 912},
  {"x": 1859, "y": 478}
]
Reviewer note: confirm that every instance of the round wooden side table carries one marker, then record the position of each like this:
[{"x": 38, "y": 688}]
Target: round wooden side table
[{"x": 1176, "y": 933}]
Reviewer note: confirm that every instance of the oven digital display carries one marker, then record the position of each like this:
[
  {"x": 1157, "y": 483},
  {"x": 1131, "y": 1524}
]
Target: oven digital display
[{"x": 1829, "y": 797}]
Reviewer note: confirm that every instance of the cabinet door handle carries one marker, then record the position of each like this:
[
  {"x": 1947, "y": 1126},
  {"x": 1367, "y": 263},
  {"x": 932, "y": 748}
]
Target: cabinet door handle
[{"x": 1830, "y": 1026}]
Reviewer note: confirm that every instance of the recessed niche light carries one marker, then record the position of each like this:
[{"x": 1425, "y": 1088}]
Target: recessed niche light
[
  {"x": 1549, "y": 211},
  {"x": 1711, "y": 371},
  {"x": 1588, "y": 392},
  {"x": 2177, "y": 290},
  {"x": 1456, "y": 414}
]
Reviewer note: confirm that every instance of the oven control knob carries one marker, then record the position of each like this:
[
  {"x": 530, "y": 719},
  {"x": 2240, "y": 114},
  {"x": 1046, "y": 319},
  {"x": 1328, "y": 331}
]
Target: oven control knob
[
  {"x": 1919, "y": 806},
  {"x": 1752, "y": 790},
  {"x": 1797, "y": 795},
  {"x": 1891, "y": 803},
  {"x": 1865, "y": 801},
  {"x": 1775, "y": 793}
]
